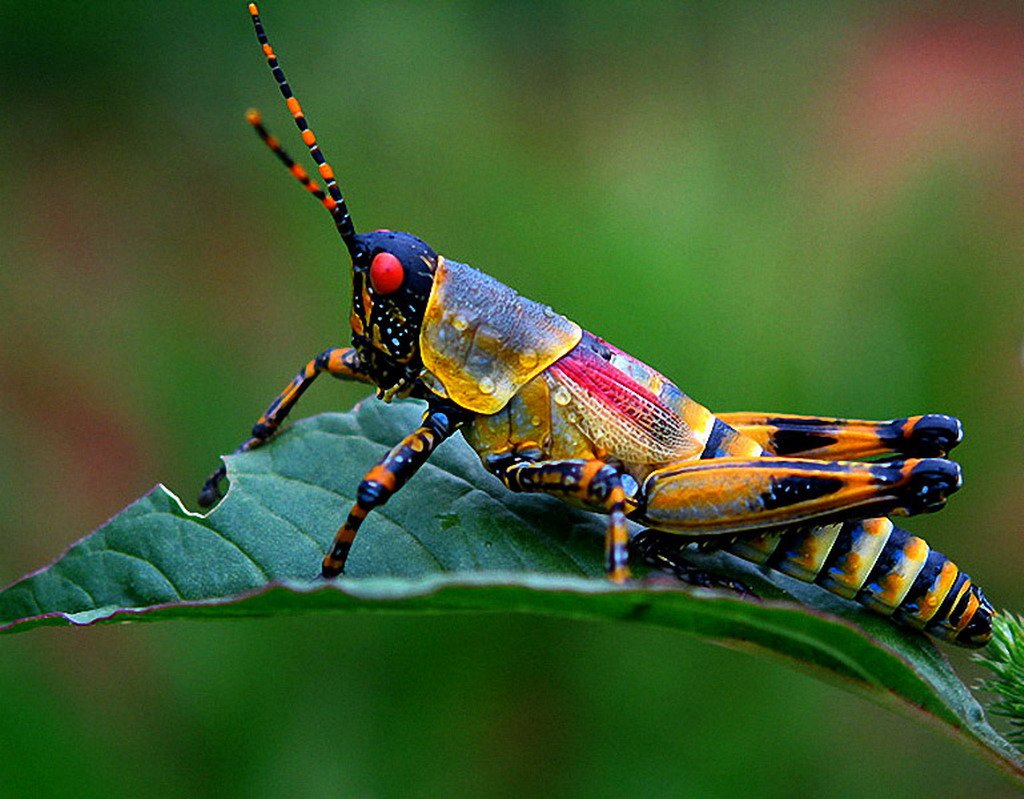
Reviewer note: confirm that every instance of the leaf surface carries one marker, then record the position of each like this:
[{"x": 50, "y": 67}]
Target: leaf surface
[{"x": 453, "y": 541}]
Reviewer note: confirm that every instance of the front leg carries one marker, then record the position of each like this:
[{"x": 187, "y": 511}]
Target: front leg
[
  {"x": 340, "y": 362},
  {"x": 595, "y": 483},
  {"x": 389, "y": 476},
  {"x": 725, "y": 496},
  {"x": 825, "y": 438}
]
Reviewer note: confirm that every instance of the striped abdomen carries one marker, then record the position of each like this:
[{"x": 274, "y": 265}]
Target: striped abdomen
[{"x": 884, "y": 568}]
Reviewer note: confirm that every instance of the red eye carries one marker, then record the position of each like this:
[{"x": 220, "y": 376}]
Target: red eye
[{"x": 386, "y": 273}]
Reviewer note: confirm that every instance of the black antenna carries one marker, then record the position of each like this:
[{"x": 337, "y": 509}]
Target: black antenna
[{"x": 335, "y": 203}]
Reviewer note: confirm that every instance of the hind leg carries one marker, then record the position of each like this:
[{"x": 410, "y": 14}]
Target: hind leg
[
  {"x": 725, "y": 496},
  {"x": 822, "y": 438}
]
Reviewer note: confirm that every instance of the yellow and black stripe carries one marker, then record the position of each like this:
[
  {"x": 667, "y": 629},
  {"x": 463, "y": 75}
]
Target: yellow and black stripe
[
  {"x": 870, "y": 561},
  {"x": 885, "y": 569},
  {"x": 725, "y": 441}
]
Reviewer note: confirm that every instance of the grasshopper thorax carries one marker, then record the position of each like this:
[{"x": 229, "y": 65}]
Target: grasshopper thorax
[{"x": 392, "y": 276}]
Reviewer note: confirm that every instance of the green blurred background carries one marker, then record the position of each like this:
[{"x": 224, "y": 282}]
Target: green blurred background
[{"x": 806, "y": 207}]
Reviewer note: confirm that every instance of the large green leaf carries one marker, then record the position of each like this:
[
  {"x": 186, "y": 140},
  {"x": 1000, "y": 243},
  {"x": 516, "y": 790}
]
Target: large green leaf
[{"x": 454, "y": 540}]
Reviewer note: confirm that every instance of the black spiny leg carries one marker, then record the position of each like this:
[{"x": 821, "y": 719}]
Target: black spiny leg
[
  {"x": 595, "y": 483},
  {"x": 665, "y": 551},
  {"x": 389, "y": 476},
  {"x": 340, "y": 362}
]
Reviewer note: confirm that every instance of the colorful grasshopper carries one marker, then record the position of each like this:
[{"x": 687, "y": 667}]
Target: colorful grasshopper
[{"x": 552, "y": 408}]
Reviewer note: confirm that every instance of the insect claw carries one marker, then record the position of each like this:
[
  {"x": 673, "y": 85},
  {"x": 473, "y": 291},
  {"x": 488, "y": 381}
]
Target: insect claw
[
  {"x": 329, "y": 570},
  {"x": 211, "y": 493},
  {"x": 935, "y": 434},
  {"x": 930, "y": 483}
]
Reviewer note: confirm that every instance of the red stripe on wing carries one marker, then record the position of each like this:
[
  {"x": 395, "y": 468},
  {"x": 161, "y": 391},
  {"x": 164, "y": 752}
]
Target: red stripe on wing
[{"x": 616, "y": 390}]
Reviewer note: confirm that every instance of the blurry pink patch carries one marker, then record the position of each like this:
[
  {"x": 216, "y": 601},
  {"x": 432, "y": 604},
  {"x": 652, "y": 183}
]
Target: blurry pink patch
[
  {"x": 925, "y": 86},
  {"x": 92, "y": 457}
]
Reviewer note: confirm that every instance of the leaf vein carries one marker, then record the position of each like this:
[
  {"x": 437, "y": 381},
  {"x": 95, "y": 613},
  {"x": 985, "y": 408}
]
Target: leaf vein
[
  {"x": 282, "y": 518},
  {"x": 149, "y": 563}
]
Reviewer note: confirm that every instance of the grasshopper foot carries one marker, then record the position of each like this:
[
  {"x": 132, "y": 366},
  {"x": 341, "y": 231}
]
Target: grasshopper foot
[
  {"x": 930, "y": 483},
  {"x": 935, "y": 434},
  {"x": 211, "y": 492}
]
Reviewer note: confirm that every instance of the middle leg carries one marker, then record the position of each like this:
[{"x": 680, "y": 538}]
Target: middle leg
[{"x": 594, "y": 483}]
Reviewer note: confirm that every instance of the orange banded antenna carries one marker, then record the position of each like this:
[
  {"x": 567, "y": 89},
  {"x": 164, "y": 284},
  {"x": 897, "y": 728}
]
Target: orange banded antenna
[
  {"x": 335, "y": 203},
  {"x": 254, "y": 118}
]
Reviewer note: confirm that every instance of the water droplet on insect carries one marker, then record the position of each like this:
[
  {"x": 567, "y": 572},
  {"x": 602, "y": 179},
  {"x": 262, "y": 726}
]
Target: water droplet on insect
[
  {"x": 561, "y": 396},
  {"x": 528, "y": 358},
  {"x": 460, "y": 322},
  {"x": 486, "y": 385},
  {"x": 549, "y": 312}
]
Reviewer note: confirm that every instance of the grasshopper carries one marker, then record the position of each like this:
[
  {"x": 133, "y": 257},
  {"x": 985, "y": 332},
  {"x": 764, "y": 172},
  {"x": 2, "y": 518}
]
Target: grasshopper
[{"x": 552, "y": 408}]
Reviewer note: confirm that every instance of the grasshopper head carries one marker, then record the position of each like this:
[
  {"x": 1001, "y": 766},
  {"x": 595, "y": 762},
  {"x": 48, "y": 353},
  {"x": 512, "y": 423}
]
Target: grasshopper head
[{"x": 392, "y": 275}]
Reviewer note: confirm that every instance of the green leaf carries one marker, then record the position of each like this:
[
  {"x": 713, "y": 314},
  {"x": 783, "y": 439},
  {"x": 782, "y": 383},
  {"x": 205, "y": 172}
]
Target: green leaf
[{"x": 453, "y": 541}]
